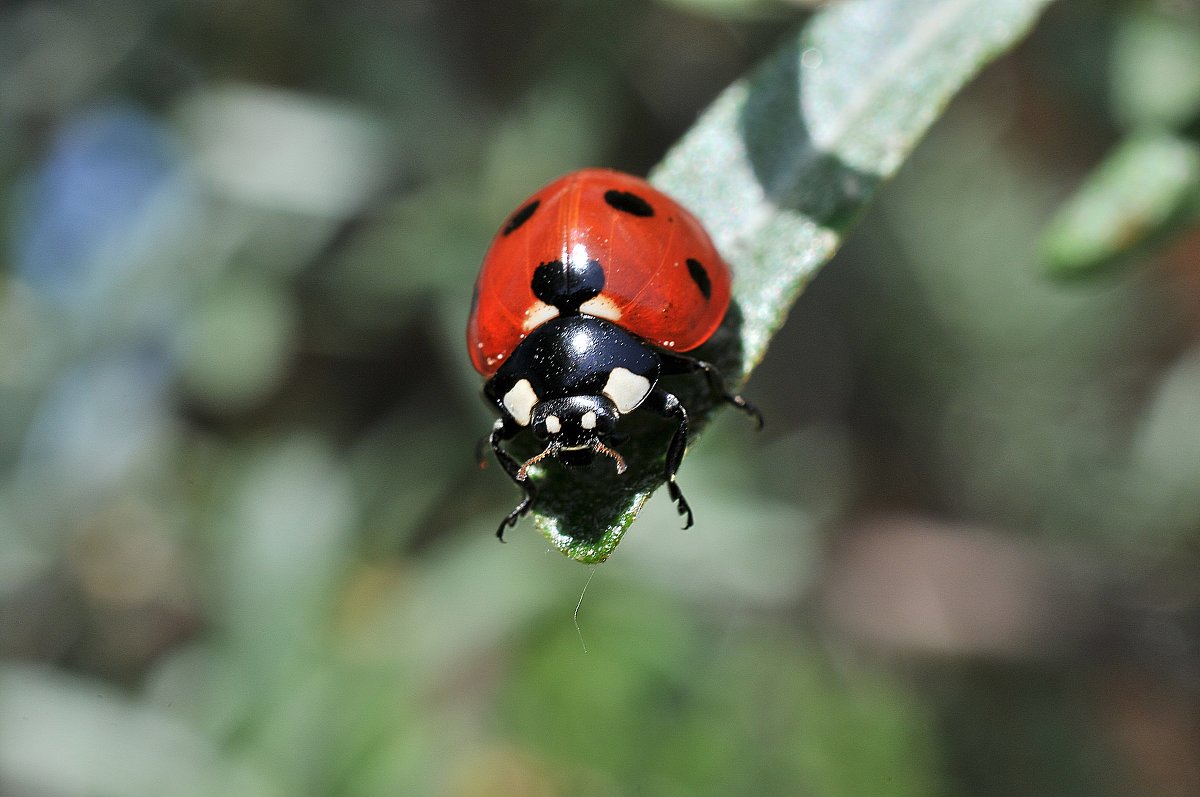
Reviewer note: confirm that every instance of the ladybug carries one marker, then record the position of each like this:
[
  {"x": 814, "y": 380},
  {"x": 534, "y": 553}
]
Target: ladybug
[{"x": 588, "y": 294}]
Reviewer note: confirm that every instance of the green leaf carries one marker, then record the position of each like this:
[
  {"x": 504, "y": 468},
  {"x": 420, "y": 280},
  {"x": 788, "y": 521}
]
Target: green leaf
[
  {"x": 778, "y": 169},
  {"x": 1156, "y": 67},
  {"x": 1144, "y": 189},
  {"x": 734, "y": 8}
]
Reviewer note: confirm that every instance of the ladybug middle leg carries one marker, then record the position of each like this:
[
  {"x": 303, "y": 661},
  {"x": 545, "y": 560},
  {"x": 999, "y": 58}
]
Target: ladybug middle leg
[
  {"x": 506, "y": 429},
  {"x": 668, "y": 405},
  {"x": 679, "y": 364}
]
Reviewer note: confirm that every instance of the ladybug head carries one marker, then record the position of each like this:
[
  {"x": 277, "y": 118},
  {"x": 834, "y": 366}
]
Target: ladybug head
[{"x": 574, "y": 429}]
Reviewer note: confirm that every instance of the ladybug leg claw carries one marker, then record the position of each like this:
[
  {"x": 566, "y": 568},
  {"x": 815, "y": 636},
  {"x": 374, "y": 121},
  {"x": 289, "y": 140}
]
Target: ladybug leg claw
[
  {"x": 510, "y": 521},
  {"x": 504, "y": 429},
  {"x": 669, "y": 406},
  {"x": 678, "y": 364},
  {"x": 681, "y": 504}
]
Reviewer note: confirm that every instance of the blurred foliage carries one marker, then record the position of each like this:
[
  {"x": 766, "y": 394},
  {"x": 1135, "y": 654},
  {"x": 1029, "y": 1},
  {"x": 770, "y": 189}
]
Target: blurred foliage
[
  {"x": 1147, "y": 188},
  {"x": 1144, "y": 189},
  {"x": 245, "y": 549}
]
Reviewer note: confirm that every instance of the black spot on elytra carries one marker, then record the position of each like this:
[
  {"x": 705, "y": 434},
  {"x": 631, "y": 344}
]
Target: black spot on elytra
[
  {"x": 568, "y": 286},
  {"x": 520, "y": 217},
  {"x": 629, "y": 203},
  {"x": 700, "y": 277}
]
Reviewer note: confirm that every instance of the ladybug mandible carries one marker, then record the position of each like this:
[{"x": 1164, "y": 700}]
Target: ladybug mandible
[{"x": 585, "y": 298}]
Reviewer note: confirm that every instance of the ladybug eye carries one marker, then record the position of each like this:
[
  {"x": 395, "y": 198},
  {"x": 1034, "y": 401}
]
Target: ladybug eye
[
  {"x": 629, "y": 203},
  {"x": 520, "y": 217},
  {"x": 700, "y": 277}
]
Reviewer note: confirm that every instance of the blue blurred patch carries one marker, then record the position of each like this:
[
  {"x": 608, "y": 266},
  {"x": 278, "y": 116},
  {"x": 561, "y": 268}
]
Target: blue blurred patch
[{"x": 84, "y": 207}]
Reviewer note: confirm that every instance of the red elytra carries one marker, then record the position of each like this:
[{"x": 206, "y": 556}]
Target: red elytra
[{"x": 663, "y": 278}]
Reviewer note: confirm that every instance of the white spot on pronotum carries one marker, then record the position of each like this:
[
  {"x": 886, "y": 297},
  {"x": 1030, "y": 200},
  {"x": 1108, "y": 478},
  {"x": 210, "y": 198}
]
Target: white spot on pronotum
[
  {"x": 601, "y": 307},
  {"x": 588, "y": 421},
  {"x": 520, "y": 402},
  {"x": 626, "y": 389},
  {"x": 552, "y": 424},
  {"x": 537, "y": 315}
]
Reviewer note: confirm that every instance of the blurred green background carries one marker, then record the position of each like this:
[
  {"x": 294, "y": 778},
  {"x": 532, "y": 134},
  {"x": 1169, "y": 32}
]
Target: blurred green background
[{"x": 244, "y": 545}]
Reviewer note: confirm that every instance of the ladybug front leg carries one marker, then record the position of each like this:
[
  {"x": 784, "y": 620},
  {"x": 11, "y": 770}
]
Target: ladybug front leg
[
  {"x": 668, "y": 405},
  {"x": 506, "y": 429},
  {"x": 679, "y": 364}
]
